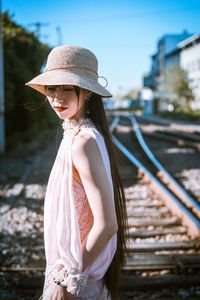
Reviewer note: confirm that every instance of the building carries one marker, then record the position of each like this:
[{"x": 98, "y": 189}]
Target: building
[
  {"x": 150, "y": 80},
  {"x": 166, "y": 55},
  {"x": 190, "y": 62}
]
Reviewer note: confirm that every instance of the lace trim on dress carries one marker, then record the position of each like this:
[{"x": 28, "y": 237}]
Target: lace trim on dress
[{"x": 73, "y": 126}]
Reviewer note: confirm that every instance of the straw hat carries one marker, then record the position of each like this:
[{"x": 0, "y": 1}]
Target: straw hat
[{"x": 71, "y": 65}]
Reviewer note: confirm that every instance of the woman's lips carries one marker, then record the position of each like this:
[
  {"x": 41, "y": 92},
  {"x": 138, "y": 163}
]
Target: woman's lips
[{"x": 60, "y": 109}]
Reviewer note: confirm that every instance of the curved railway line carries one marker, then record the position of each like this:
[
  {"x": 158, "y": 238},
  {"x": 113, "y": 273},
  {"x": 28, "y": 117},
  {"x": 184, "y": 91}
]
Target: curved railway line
[
  {"x": 178, "y": 134},
  {"x": 160, "y": 171},
  {"x": 164, "y": 226},
  {"x": 164, "y": 219}
]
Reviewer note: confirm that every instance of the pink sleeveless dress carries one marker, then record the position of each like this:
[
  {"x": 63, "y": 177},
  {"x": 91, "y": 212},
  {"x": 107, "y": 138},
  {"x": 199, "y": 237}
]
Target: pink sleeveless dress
[
  {"x": 95, "y": 289},
  {"x": 68, "y": 219}
]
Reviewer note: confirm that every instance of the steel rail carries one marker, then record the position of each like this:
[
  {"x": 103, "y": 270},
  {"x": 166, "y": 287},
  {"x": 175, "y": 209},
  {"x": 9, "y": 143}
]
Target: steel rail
[
  {"x": 188, "y": 217},
  {"x": 173, "y": 183}
]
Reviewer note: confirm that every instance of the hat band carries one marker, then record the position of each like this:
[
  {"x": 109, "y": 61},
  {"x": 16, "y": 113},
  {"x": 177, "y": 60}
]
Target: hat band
[{"x": 69, "y": 67}]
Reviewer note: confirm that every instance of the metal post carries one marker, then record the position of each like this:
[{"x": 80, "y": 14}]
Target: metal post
[
  {"x": 59, "y": 35},
  {"x": 2, "y": 108}
]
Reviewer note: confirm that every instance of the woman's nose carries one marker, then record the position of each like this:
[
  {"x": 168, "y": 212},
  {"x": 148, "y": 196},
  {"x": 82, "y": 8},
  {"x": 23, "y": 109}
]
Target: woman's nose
[{"x": 56, "y": 95}]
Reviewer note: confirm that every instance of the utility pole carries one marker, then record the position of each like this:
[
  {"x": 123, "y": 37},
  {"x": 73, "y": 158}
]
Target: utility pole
[
  {"x": 59, "y": 35},
  {"x": 38, "y": 26},
  {"x": 2, "y": 105}
]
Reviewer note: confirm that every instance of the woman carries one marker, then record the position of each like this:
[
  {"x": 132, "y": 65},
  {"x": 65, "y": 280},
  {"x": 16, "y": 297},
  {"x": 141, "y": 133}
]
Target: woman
[{"x": 85, "y": 219}]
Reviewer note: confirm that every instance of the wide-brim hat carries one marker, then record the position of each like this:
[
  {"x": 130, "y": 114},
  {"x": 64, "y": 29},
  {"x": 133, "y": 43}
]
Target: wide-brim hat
[{"x": 70, "y": 65}]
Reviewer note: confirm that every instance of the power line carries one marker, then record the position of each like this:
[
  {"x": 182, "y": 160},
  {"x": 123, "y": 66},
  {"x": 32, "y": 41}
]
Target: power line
[{"x": 113, "y": 18}]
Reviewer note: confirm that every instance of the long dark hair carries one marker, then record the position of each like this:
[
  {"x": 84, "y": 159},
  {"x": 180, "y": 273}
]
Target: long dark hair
[{"x": 97, "y": 115}]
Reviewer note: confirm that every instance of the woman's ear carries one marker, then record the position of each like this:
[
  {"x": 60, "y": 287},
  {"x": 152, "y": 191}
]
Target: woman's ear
[{"x": 87, "y": 94}]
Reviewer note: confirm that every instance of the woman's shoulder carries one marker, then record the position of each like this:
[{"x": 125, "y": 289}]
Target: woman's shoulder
[
  {"x": 86, "y": 153},
  {"x": 83, "y": 141},
  {"x": 87, "y": 140}
]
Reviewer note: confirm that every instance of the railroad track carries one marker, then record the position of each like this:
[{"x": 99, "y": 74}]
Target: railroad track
[
  {"x": 158, "y": 169},
  {"x": 164, "y": 232},
  {"x": 187, "y": 171},
  {"x": 22, "y": 250},
  {"x": 164, "y": 246},
  {"x": 15, "y": 185},
  {"x": 178, "y": 134}
]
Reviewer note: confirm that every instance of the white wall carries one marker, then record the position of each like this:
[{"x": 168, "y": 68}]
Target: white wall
[{"x": 190, "y": 61}]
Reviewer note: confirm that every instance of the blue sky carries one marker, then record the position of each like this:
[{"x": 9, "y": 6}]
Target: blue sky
[{"x": 122, "y": 33}]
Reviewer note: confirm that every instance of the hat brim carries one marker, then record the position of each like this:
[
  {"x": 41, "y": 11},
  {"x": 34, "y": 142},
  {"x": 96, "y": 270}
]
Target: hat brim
[{"x": 62, "y": 77}]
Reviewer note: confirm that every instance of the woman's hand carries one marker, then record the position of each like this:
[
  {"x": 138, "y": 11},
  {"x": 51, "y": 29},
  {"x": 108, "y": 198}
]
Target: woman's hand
[{"x": 58, "y": 292}]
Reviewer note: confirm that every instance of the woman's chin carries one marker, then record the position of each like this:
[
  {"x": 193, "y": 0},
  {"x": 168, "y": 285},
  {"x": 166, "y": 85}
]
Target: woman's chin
[{"x": 63, "y": 116}]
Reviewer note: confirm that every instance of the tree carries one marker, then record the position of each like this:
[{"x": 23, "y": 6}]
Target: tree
[
  {"x": 174, "y": 83},
  {"x": 24, "y": 56}
]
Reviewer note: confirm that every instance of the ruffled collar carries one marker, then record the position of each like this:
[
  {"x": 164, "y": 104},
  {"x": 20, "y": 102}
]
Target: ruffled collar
[{"x": 73, "y": 126}]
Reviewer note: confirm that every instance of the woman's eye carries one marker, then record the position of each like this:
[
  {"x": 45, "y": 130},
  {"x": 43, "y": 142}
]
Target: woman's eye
[
  {"x": 68, "y": 90},
  {"x": 51, "y": 89}
]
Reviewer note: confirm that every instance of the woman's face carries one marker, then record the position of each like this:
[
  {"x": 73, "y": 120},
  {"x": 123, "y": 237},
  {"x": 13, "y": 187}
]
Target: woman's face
[{"x": 65, "y": 102}]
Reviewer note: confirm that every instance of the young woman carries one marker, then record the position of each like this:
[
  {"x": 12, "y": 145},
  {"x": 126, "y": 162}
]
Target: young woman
[{"x": 85, "y": 220}]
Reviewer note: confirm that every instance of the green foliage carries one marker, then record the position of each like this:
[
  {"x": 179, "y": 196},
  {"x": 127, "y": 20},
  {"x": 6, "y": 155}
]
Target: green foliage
[
  {"x": 175, "y": 82},
  {"x": 24, "y": 56}
]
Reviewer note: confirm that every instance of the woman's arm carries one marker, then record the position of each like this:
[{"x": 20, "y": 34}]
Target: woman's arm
[{"x": 89, "y": 164}]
